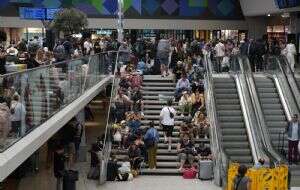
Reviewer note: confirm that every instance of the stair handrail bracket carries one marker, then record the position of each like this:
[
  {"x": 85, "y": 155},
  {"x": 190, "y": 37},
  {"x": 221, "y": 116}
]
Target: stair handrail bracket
[{"x": 221, "y": 162}]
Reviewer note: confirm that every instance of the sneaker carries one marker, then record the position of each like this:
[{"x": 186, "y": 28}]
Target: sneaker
[
  {"x": 182, "y": 115},
  {"x": 180, "y": 169},
  {"x": 169, "y": 148},
  {"x": 142, "y": 114},
  {"x": 197, "y": 137}
]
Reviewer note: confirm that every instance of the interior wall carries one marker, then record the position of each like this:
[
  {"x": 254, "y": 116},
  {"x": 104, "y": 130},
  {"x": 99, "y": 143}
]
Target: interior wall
[
  {"x": 141, "y": 24},
  {"x": 257, "y": 27}
]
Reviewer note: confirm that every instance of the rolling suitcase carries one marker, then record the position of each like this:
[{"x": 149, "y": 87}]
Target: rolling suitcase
[{"x": 205, "y": 170}]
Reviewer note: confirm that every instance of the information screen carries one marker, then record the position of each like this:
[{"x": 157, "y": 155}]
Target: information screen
[
  {"x": 51, "y": 13},
  {"x": 32, "y": 13},
  {"x": 282, "y": 4}
]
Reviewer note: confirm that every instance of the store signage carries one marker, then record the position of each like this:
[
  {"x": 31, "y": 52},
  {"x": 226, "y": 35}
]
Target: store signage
[
  {"x": 37, "y": 13},
  {"x": 104, "y": 32}
]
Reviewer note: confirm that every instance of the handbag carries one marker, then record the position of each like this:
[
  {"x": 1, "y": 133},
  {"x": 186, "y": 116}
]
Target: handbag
[{"x": 171, "y": 114}]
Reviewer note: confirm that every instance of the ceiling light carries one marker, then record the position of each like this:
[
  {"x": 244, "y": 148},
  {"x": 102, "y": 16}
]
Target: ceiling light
[{"x": 269, "y": 15}]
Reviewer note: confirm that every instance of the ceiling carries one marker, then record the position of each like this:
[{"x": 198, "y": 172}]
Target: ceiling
[{"x": 262, "y": 7}]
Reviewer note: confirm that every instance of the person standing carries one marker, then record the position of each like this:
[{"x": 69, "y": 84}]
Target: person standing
[
  {"x": 290, "y": 54},
  {"x": 220, "y": 53},
  {"x": 241, "y": 182},
  {"x": 163, "y": 53},
  {"x": 167, "y": 120},
  {"x": 59, "y": 165},
  {"x": 151, "y": 139},
  {"x": 293, "y": 132},
  {"x": 18, "y": 112}
]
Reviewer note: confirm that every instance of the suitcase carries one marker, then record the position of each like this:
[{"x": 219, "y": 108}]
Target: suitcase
[{"x": 205, "y": 170}]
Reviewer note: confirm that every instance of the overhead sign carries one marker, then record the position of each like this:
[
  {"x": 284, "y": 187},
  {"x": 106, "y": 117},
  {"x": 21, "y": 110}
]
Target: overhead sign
[
  {"x": 37, "y": 13},
  {"x": 50, "y": 13},
  {"x": 32, "y": 13}
]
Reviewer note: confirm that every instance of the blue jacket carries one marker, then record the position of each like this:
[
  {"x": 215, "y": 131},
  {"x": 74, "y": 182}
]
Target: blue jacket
[
  {"x": 289, "y": 130},
  {"x": 152, "y": 133}
]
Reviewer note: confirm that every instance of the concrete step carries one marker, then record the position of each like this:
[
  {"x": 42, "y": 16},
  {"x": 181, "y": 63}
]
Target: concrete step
[{"x": 158, "y": 88}]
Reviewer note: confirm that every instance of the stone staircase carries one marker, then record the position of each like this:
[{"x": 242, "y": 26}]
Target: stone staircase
[{"x": 154, "y": 88}]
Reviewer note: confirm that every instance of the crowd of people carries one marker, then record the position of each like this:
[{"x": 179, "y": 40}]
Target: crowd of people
[
  {"x": 181, "y": 59},
  {"x": 35, "y": 52}
]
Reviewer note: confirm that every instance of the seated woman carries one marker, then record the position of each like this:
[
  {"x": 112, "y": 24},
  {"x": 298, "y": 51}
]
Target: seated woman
[
  {"x": 197, "y": 101},
  {"x": 135, "y": 158},
  {"x": 185, "y": 130},
  {"x": 182, "y": 85},
  {"x": 122, "y": 102},
  {"x": 186, "y": 151},
  {"x": 137, "y": 99},
  {"x": 185, "y": 104},
  {"x": 200, "y": 125}
]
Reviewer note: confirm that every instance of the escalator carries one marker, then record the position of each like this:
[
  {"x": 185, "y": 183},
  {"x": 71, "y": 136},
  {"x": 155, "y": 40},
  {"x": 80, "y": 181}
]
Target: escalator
[
  {"x": 273, "y": 110},
  {"x": 235, "y": 140}
]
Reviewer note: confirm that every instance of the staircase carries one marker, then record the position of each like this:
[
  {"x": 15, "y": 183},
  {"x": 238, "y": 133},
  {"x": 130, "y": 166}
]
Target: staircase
[
  {"x": 234, "y": 135},
  {"x": 154, "y": 87}
]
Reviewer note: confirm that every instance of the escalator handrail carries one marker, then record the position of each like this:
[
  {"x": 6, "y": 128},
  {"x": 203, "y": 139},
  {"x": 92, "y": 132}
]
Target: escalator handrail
[
  {"x": 249, "y": 123},
  {"x": 220, "y": 156},
  {"x": 262, "y": 129},
  {"x": 275, "y": 75},
  {"x": 285, "y": 68}
]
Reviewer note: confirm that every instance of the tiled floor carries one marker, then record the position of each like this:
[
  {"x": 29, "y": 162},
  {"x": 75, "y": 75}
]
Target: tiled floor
[{"x": 45, "y": 181}]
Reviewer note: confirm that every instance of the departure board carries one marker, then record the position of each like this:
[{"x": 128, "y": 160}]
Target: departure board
[{"x": 32, "y": 13}]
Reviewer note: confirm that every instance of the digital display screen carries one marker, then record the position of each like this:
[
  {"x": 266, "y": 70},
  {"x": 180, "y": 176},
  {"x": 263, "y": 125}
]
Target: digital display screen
[
  {"x": 282, "y": 4},
  {"x": 32, "y": 13},
  {"x": 51, "y": 13}
]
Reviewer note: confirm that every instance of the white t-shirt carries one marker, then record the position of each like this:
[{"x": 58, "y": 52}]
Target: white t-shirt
[
  {"x": 220, "y": 50},
  {"x": 165, "y": 115},
  {"x": 87, "y": 46}
]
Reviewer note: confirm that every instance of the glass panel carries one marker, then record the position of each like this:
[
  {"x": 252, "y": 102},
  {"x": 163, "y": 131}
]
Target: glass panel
[{"x": 30, "y": 98}]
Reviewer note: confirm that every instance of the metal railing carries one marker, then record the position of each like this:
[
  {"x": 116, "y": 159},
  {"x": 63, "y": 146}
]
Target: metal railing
[
  {"x": 221, "y": 161},
  {"x": 107, "y": 146},
  {"x": 46, "y": 90}
]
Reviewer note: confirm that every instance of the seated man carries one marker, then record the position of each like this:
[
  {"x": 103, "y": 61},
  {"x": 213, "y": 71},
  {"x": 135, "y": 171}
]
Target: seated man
[
  {"x": 137, "y": 99},
  {"x": 122, "y": 102},
  {"x": 204, "y": 152},
  {"x": 186, "y": 151},
  {"x": 182, "y": 85}
]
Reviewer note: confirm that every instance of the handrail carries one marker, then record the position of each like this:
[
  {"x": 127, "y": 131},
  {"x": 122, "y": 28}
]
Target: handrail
[
  {"x": 248, "y": 111},
  {"x": 221, "y": 159},
  {"x": 290, "y": 77},
  {"x": 53, "y": 64},
  {"x": 43, "y": 93},
  {"x": 107, "y": 145},
  {"x": 256, "y": 153},
  {"x": 262, "y": 128},
  {"x": 285, "y": 94}
]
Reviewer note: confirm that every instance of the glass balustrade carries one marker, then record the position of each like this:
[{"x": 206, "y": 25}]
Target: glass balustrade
[{"x": 33, "y": 96}]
